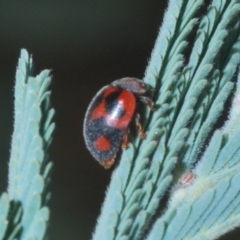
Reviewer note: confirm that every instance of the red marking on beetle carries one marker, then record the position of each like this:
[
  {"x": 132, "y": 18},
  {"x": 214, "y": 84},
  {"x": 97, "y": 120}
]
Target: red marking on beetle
[
  {"x": 102, "y": 144},
  {"x": 109, "y": 91},
  {"x": 99, "y": 111},
  {"x": 126, "y": 102}
]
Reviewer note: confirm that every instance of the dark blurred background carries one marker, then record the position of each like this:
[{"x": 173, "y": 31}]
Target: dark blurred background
[{"x": 88, "y": 44}]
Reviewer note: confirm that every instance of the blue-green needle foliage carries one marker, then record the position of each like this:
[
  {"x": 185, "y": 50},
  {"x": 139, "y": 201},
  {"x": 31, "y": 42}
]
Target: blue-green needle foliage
[
  {"x": 23, "y": 209},
  {"x": 192, "y": 82}
]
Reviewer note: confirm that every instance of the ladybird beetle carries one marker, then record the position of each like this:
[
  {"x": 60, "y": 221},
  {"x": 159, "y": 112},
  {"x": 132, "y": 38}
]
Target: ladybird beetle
[{"x": 109, "y": 115}]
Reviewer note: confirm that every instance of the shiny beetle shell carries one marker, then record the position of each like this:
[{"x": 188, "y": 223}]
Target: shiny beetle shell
[{"x": 108, "y": 117}]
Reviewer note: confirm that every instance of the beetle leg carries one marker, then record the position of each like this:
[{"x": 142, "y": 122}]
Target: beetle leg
[
  {"x": 125, "y": 140},
  {"x": 141, "y": 133},
  {"x": 147, "y": 101},
  {"x": 108, "y": 163}
]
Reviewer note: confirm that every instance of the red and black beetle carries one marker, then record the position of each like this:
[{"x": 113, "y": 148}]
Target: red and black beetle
[{"x": 109, "y": 115}]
